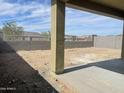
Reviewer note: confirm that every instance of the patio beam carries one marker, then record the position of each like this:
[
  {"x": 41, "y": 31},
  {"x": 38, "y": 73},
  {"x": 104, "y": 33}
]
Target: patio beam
[
  {"x": 89, "y": 5},
  {"x": 57, "y": 36}
]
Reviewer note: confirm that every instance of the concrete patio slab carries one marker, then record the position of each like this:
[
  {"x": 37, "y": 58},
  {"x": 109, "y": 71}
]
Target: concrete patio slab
[{"x": 94, "y": 79}]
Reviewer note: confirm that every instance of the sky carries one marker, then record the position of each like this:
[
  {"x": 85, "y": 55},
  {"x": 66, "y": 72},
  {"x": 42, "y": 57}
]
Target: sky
[{"x": 35, "y": 16}]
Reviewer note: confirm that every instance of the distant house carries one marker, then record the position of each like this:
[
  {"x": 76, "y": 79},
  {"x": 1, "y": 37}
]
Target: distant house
[
  {"x": 84, "y": 38},
  {"x": 70, "y": 38},
  {"x": 31, "y": 34},
  {"x": 78, "y": 38},
  {"x": 34, "y": 36}
]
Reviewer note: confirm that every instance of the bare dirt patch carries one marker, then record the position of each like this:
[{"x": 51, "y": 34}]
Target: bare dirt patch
[{"x": 42, "y": 58}]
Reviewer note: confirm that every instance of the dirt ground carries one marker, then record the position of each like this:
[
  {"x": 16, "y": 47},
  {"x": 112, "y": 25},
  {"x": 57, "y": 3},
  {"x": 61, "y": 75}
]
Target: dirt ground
[
  {"x": 21, "y": 69},
  {"x": 17, "y": 76},
  {"x": 41, "y": 58}
]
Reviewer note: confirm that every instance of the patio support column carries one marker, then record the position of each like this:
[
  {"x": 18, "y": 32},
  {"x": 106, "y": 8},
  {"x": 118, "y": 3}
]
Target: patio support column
[
  {"x": 57, "y": 36},
  {"x": 122, "y": 51}
]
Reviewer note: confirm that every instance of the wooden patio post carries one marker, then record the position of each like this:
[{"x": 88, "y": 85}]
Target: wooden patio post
[
  {"x": 57, "y": 36},
  {"x": 122, "y": 51}
]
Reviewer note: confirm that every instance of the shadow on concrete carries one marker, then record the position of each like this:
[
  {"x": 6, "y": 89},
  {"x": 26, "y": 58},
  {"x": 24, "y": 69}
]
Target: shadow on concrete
[
  {"x": 115, "y": 65},
  {"x": 16, "y": 76}
]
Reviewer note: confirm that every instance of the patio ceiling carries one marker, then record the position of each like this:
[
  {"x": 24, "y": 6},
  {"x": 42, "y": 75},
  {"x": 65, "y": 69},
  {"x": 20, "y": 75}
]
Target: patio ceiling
[{"x": 112, "y": 8}]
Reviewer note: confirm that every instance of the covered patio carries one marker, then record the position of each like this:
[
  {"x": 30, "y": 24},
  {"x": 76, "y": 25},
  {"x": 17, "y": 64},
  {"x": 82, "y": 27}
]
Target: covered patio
[
  {"x": 100, "y": 77},
  {"x": 111, "y": 8}
]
